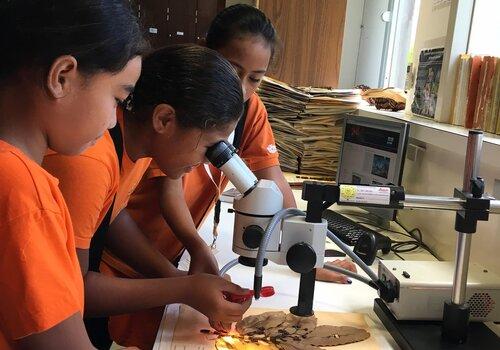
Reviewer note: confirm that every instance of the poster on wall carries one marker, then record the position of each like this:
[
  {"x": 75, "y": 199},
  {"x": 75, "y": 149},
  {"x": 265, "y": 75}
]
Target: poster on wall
[{"x": 427, "y": 82}]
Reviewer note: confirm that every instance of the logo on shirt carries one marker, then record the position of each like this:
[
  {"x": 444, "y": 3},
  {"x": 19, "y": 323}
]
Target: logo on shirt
[{"x": 272, "y": 149}]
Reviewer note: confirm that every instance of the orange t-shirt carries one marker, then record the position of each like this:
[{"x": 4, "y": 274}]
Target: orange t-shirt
[
  {"x": 40, "y": 280},
  {"x": 90, "y": 181},
  {"x": 257, "y": 148}
]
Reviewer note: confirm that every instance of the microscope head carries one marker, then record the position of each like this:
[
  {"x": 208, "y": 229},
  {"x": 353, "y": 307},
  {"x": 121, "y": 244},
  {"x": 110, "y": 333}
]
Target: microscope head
[{"x": 254, "y": 208}]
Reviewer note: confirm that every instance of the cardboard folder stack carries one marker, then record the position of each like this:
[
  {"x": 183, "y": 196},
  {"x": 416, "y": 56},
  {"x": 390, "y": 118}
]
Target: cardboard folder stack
[{"x": 307, "y": 124}]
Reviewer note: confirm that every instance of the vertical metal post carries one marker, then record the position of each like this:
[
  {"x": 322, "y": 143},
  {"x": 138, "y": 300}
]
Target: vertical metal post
[
  {"x": 472, "y": 161},
  {"x": 456, "y": 312}
]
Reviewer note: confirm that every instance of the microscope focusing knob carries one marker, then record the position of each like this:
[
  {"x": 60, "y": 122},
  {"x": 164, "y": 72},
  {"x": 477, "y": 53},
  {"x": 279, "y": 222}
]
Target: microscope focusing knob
[
  {"x": 252, "y": 236},
  {"x": 301, "y": 258}
]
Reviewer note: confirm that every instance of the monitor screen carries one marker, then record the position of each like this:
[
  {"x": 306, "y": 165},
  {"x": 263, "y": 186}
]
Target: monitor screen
[{"x": 373, "y": 153}]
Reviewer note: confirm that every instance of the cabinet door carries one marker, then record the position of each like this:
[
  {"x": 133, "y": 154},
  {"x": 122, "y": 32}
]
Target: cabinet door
[
  {"x": 181, "y": 21},
  {"x": 154, "y": 19},
  {"x": 312, "y": 32},
  {"x": 206, "y": 12}
]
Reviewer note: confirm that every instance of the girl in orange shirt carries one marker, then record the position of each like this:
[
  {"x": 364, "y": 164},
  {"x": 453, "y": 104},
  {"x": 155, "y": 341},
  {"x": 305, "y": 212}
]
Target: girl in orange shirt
[
  {"x": 172, "y": 117},
  {"x": 246, "y": 37},
  {"x": 64, "y": 66}
]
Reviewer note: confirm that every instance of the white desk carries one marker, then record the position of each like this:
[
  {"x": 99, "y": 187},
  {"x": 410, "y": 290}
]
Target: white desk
[{"x": 356, "y": 297}]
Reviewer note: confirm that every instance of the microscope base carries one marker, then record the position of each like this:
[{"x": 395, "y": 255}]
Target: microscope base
[{"x": 426, "y": 335}]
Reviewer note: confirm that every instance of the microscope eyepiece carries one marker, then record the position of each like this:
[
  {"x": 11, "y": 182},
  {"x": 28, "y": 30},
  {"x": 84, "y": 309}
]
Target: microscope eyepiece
[
  {"x": 220, "y": 153},
  {"x": 223, "y": 156}
]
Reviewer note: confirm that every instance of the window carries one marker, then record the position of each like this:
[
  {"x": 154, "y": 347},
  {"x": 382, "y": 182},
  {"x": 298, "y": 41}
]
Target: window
[{"x": 485, "y": 28}]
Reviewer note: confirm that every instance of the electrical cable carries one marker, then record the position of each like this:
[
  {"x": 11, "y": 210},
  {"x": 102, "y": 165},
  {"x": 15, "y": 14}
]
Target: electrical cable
[
  {"x": 419, "y": 239},
  {"x": 228, "y": 266},
  {"x": 398, "y": 247},
  {"x": 399, "y": 256}
]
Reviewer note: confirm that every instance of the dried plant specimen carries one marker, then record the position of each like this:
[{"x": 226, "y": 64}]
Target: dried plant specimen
[{"x": 280, "y": 331}]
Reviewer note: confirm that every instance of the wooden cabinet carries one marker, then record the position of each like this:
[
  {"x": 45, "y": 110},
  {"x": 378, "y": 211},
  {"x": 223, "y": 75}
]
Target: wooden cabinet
[
  {"x": 181, "y": 21},
  {"x": 311, "y": 32},
  {"x": 206, "y": 12},
  {"x": 169, "y": 22}
]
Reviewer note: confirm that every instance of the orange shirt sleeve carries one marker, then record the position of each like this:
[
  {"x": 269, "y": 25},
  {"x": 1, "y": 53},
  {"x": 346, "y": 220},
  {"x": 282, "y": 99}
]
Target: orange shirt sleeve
[
  {"x": 258, "y": 147},
  {"x": 88, "y": 187},
  {"x": 40, "y": 279},
  {"x": 37, "y": 283}
]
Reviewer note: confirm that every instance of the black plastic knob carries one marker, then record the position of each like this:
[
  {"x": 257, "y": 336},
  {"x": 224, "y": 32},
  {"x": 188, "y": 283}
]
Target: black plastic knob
[
  {"x": 301, "y": 258},
  {"x": 477, "y": 187},
  {"x": 252, "y": 236}
]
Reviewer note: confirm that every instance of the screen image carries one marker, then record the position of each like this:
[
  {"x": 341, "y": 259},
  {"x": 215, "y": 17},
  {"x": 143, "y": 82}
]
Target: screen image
[{"x": 380, "y": 166}]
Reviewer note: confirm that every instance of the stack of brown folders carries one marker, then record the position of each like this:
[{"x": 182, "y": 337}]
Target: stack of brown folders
[{"x": 307, "y": 124}]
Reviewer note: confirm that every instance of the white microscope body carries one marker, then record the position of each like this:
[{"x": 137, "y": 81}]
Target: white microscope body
[
  {"x": 258, "y": 202},
  {"x": 253, "y": 213}
]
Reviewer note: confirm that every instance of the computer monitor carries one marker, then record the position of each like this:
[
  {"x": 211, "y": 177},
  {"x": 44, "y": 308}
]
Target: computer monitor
[{"x": 373, "y": 153}]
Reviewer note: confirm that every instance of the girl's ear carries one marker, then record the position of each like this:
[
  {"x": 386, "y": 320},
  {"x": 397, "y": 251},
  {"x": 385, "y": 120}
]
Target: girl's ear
[
  {"x": 163, "y": 118},
  {"x": 62, "y": 76}
]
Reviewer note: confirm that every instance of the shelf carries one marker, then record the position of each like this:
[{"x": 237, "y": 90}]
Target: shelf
[{"x": 450, "y": 137}]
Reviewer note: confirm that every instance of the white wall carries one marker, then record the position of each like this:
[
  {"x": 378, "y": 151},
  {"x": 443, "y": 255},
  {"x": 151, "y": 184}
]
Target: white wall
[
  {"x": 350, "y": 43},
  {"x": 437, "y": 173},
  {"x": 373, "y": 44}
]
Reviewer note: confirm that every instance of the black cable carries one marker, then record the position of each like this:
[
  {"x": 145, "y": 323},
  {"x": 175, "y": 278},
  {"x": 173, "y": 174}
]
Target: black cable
[
  {"x": 400, "y": 247},
  {"x": 403, "y": 246},
  {"x": 399, "y": 256},
  {"x": 396, "y": 245},
  {"x": 419, "y": 239},
  {"x": 381, "y": 229}
]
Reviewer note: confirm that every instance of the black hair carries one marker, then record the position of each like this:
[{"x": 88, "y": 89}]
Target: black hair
[
  {"x": 197, "y": 82},
  {"x": 237, "y": 21},
  {"x": 103, "y": 35}
]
